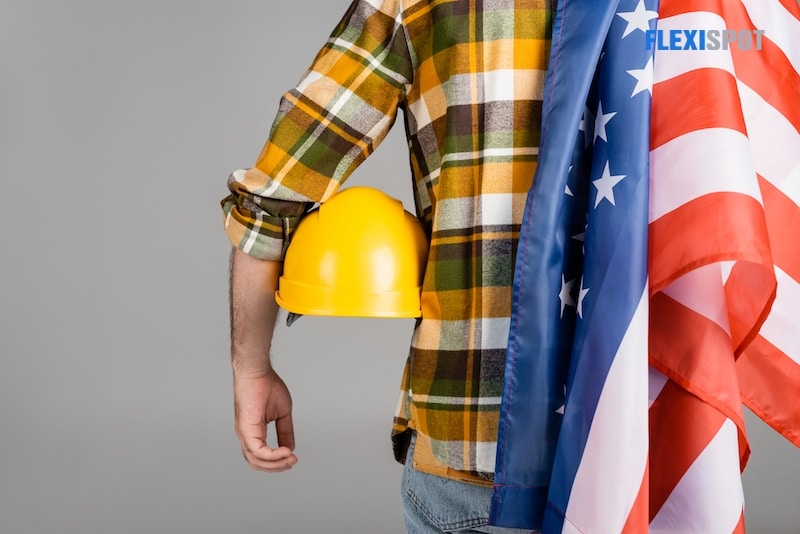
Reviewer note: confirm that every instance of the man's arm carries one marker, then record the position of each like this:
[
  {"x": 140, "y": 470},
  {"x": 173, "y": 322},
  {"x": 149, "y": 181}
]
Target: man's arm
[{"x": 260, "y": 396}]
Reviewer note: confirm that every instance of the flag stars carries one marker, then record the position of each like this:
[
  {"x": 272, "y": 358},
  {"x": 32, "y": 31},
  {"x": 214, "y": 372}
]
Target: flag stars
[
  {"x": 581, "y": 295},
  {"x": 644, "y": 78},
  {"x": 565, "y": 295},
  {"x": 638, "y": 19},
  {"x": 605, "y": 186},
  {"x": 600, "y": 122}
]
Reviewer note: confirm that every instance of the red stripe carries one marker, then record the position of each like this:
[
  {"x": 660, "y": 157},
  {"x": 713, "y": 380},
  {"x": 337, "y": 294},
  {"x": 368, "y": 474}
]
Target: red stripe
[
  {"x": 681, "y": 426},
  {"x": 783, "y": 220},
  {"x": 701, "y": 98},
  {"x": 695, "y": 353},
  {"x": 749, "y": 292},
  {"x": 770, "y": 383},
  {"x": 670, "y": 8},
  {"x": 715, "y": 227}
]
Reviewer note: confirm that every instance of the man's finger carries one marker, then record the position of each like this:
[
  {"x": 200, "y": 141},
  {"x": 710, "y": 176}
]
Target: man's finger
[
  {"x": 264, "y": 458},
  {"x": 258, "y": 449},
  {"x": 270, "y": 466},
  {"x": 285, "y": 430}
]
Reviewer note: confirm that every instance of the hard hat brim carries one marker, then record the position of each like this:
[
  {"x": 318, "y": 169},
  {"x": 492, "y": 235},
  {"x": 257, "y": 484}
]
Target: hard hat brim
[{"x": 338, "y": 303}]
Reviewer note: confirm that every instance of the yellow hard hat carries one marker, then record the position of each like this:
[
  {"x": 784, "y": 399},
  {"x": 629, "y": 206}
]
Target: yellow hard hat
[{"x": 359, "y": 255}]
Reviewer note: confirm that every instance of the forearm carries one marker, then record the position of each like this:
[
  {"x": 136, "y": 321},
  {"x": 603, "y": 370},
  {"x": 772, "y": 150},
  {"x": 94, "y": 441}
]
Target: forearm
[{"x": 253, "y": 312}]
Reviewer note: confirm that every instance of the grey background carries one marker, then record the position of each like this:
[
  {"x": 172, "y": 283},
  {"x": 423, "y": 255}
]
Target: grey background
[{"x": 119, "y": 123}]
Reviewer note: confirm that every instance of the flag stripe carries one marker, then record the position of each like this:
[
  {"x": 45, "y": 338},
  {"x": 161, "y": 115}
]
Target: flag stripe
[
  {"x": 698, "y": 110},
  {"x": 675, "y": 250},
  {"x": 699, "y": 163},
  {"x": 774, "y": 142},
  {"x": 749, "y": 290},
  {"x": 783, "y": 220}
]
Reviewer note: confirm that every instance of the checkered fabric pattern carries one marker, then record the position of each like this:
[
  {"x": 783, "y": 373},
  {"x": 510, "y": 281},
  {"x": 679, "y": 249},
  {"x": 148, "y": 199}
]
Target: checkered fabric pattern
[{"x": 469, "y": 77}]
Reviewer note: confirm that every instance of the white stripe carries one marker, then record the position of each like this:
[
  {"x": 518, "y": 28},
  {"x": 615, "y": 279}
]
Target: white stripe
[
  {"x": 495, "y": 209},
  {"x": 709, "y": 497},
  {"x": 499, "y": 85},
  {"x": 310, "y": 77},
  {"x": 485, "y": 455},
  {"x": 398, "y": 409},
  {"x": 617, "y": 447},
  {"x": 701, "y": 290},
  {"x": 457, "y": 401},
  {"x": 419, "y": 109},
  {"x": 508, "y": 85},
  {"x": 779, "y": 25},
  {"x": 780, "y": 328},
  {"x": 251, "y": 239},
  {"x": 433, "y": 177},
  {"x": 671, "y": 63},
  {"x": 698, "y": 163},
  {"x": 505, "y": 152},
  {"x": 494, "y": 331},
  {"x": 774, "y": 142}
]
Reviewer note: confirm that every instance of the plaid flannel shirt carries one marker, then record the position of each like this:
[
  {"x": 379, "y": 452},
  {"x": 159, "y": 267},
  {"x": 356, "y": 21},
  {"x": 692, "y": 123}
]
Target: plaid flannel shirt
[{"x": 469, "y": 76}]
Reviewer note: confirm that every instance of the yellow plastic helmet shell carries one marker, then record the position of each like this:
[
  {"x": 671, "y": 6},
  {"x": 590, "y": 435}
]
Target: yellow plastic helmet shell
[{"x": 359, "y": 255}]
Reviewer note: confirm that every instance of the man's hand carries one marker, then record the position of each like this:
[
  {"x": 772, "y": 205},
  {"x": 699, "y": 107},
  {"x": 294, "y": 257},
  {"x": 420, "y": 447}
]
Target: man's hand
[
  {"x": 259, "y": 401},
  {"x": 260, "y": 396}
]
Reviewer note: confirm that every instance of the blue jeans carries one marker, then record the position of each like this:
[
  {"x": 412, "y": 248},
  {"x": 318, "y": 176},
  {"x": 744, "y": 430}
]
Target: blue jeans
[{"x": 436, "y": 505}]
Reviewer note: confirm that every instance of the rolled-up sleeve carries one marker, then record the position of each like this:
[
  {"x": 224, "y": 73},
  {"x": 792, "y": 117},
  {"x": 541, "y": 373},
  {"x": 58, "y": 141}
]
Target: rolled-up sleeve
[
  {"x": 257, "y": 223},
  {"x": 325, "y": 127}
]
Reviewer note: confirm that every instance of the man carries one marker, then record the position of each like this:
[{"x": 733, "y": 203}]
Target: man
[{"x": 469, "y": 77}]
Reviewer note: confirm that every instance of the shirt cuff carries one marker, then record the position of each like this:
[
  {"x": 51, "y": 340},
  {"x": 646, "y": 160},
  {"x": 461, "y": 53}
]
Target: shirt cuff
[{"x": 261, "y": 226}]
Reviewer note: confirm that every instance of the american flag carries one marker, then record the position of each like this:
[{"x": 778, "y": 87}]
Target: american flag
[{"x": 592, "y": 439}]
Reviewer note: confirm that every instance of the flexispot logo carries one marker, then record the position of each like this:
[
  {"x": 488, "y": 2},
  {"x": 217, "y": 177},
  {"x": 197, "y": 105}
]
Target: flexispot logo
[{"x": 703, "y": 39}]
